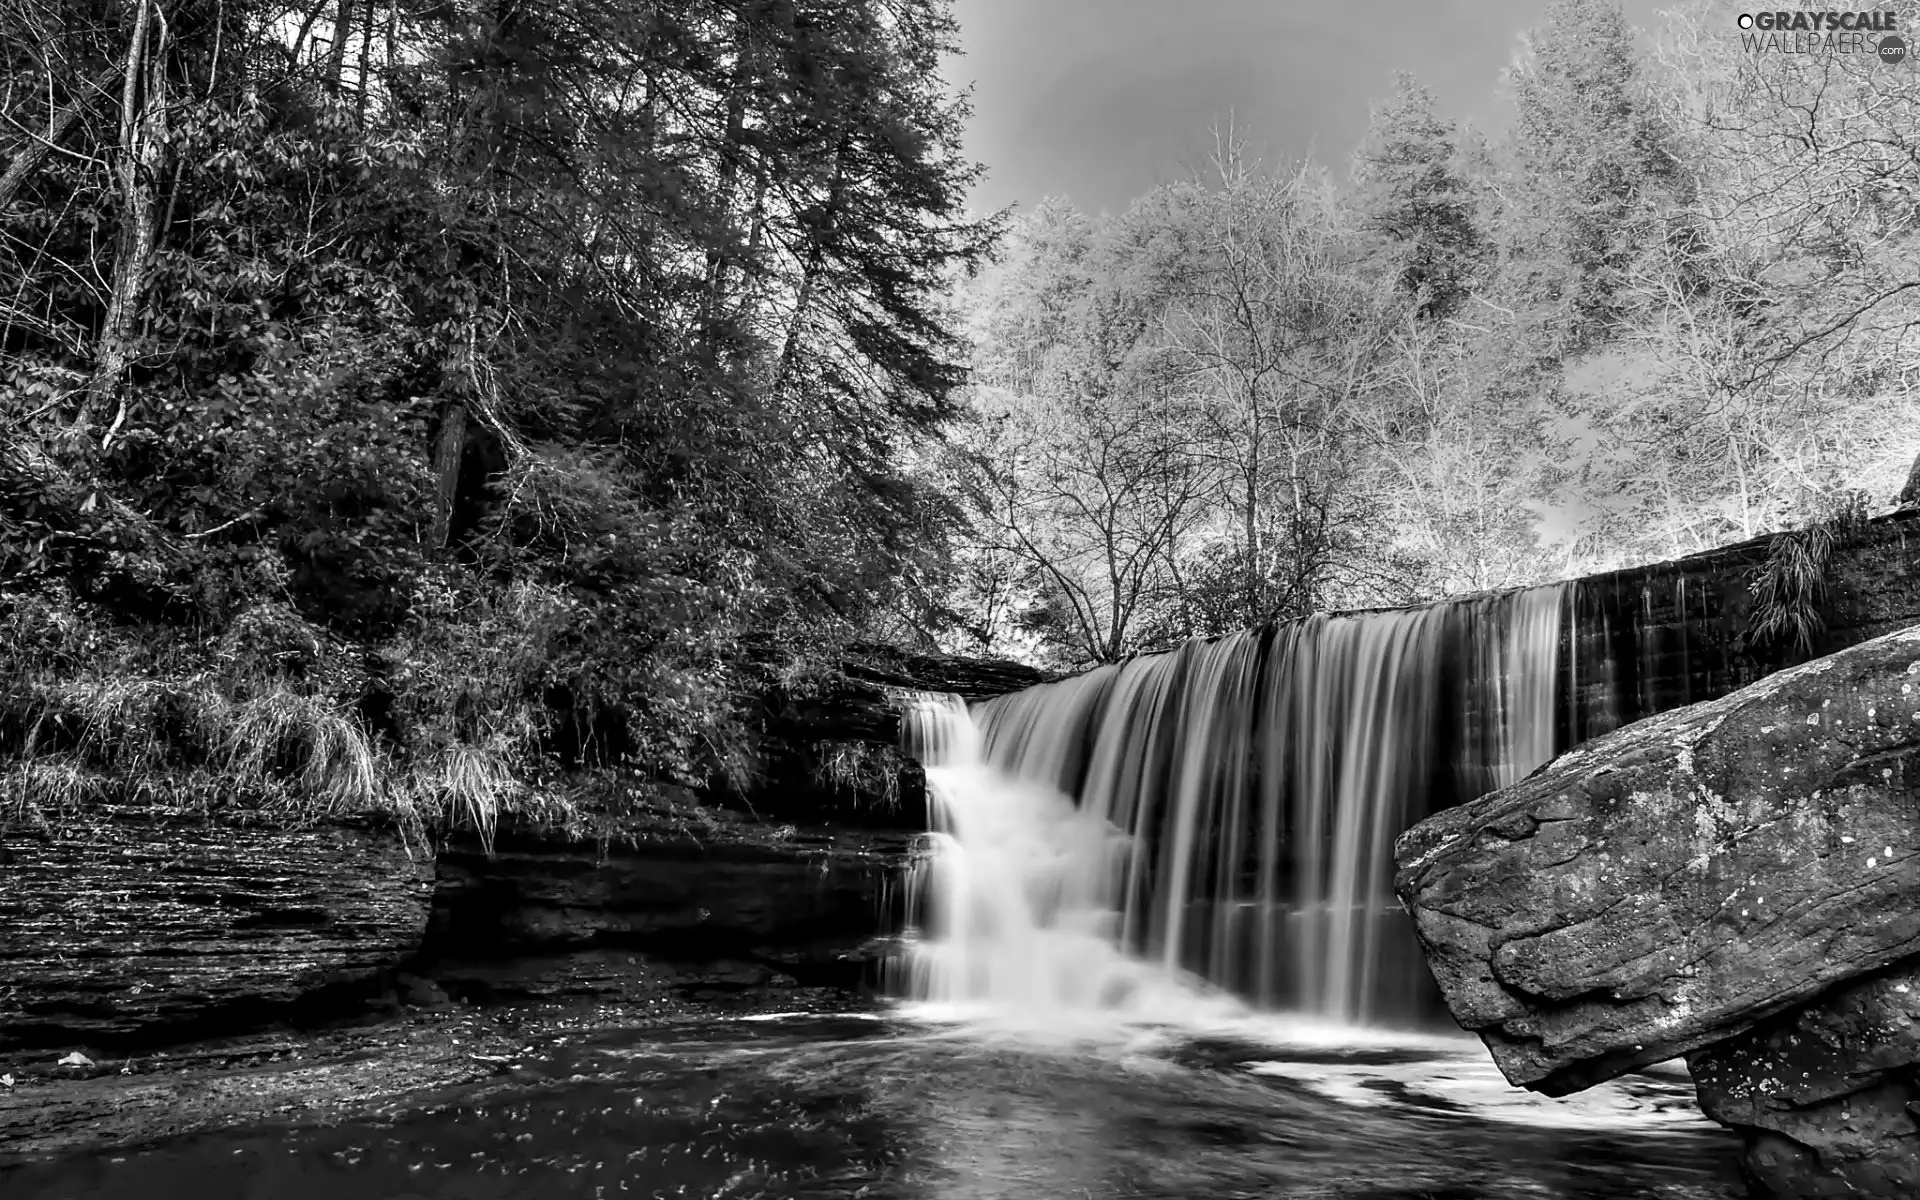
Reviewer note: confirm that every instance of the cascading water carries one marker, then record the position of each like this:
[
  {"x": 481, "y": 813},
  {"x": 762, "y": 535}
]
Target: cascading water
[
  {"x": 1013, "y": 903},
  {"x": 1222, "y": 812}
]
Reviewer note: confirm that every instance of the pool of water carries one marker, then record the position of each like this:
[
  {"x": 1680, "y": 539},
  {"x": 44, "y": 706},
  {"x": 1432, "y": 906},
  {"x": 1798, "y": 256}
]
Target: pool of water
[{"x": 941, "y": 1106}]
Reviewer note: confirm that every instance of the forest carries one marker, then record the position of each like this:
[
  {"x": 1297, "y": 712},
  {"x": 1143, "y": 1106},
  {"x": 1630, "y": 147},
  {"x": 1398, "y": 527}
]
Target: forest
[{"x": 457, "y": 407}]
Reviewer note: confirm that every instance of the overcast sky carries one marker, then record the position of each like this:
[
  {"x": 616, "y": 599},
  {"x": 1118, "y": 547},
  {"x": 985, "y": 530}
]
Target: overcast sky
[{"x": 1099, "y": 100}]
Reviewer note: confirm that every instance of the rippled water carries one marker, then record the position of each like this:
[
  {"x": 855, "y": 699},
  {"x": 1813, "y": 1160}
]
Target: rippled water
[{"x": 938, "y": 1106}]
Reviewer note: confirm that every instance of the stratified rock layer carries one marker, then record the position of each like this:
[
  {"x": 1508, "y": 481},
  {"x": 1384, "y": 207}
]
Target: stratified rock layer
[
  {"x": 729, "y": 914},
  {"x": 1826, "y": 1097},
  {"x": 1669, "y": 885},
  {"x": 137, "y": 921}
]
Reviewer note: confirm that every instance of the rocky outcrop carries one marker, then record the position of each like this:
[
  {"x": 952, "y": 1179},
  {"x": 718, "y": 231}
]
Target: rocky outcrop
[
  {"x": 1826, "y": 1098},
  {"x": 139, "y": 924},
  {"x": 1667, "y": 887},
  {"x": 864, "y": 704},
  {"x": 139, "y": 927},
  {"x": 544, "y": 917}
]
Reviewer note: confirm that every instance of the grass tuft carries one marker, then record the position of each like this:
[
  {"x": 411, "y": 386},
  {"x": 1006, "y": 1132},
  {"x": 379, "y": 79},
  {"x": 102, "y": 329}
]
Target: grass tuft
[
  {"x": 46, "y": 792},
  {"x": 475, "y": 786},
  {"x": 1789, "y": 590},
  {"x": 299, "y": 749}
]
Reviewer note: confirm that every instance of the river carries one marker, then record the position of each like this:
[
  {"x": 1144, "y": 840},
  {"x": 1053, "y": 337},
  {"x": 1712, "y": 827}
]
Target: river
[{"x": 918, "y": 1103}]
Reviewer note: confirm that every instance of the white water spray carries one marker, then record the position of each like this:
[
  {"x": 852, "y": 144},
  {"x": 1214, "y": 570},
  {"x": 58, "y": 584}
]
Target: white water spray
[{"x": 1017, "y": 895}]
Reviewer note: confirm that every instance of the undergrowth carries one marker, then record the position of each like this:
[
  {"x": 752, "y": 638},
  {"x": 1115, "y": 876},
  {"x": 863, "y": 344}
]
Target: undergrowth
[
  {"x": 861, "y": 769},
  {"x": 440, "y": 729}
]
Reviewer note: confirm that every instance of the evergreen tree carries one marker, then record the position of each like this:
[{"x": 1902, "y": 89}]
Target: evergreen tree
[
  {"x": 1411, "y": 192},
  {"x": 1595, "y": 173}
]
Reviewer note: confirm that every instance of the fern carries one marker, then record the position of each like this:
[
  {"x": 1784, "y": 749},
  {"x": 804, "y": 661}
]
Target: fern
[{"x": 1790, "y": 590}]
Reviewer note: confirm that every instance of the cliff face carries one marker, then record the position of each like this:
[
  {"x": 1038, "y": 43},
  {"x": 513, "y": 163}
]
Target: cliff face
[
  {"x": 543, "y": 917},
  {"x": 1669, "y": 887},
  {"x": 140, "y": 928},
  {"x": 1652, "y": 638},
  {"x": 133, "y": 921},
  {"x": 124, "y": 925}
]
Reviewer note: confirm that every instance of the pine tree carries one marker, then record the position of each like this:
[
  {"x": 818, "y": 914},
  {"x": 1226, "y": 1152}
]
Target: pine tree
[
  {"x": 1412, "y": 193},
  {"x": 1595, "y": 171}
]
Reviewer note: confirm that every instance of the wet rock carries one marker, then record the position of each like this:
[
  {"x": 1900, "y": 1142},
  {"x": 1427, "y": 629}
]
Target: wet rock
[
  {"x": 610, "y": 976},
  {"x": 863, "y": 703},
  {"x": 557, "y": 918},
  {"x": 1671, "y": 884},
  {"x": 1826, "y": 1097},
  {"x": 416, "y": 992},
  {"x": 140, "y": 923}
]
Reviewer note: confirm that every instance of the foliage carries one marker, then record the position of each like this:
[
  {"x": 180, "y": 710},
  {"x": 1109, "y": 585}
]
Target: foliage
[
  {"x": 860, "y": 768},
  {"x": 1414, "y": 194},
  {"x": 581, "y": 374},
  {"x": 1790, "y": 589},
  {"x": 555, "y": 364}
]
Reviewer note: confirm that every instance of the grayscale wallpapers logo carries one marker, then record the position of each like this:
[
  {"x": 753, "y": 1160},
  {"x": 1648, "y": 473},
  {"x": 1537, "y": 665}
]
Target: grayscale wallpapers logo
[{"x": 1871, "y": 33}]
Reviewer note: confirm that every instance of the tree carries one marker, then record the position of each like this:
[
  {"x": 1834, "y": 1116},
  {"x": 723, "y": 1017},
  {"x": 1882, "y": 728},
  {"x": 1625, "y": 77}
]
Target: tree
[
  {"x": 1594, "y": 169},
  {"x": 1412, "y": 194},
  {"x": 1267, "y": 317}
]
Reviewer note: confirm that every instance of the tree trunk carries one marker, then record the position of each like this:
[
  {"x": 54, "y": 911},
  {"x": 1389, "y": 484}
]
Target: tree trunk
[
  {"x": 448, "y": 448},
  {"x": 306, "y": 27},
  {"x": 143, "y": 134},
  {"x": 756, "y": 242},
  {"x": 366, "y": 65},
  {"x": 816, "y": 259},
  {"x": 718, "y": 259},
  {"x": 337, "y": 52}
]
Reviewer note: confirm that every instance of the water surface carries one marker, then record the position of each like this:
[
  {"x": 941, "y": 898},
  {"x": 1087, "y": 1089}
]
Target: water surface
[{"x": 945, "y": 1107}]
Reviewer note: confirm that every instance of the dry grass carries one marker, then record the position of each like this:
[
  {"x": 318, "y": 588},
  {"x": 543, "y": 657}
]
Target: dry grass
[
  {"x": 265, "y": 716},
  {"x": 113, "y": 721},
  {"x": 48, "y": 792},
  {"x": 299, "y": 749},
  {"x": 474, "y": 788},
  {"x": 263, "y": 746}
]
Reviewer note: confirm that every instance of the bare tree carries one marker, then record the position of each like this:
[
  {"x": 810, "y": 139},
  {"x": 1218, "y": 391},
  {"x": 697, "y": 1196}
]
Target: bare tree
[
  {"x": 138, "y": 161},
  {"x": 1097, "y": 491}
]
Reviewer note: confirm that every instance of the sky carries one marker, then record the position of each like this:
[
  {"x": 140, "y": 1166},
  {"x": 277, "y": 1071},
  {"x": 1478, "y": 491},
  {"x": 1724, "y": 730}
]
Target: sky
[{"x": 1100, "y": 100}]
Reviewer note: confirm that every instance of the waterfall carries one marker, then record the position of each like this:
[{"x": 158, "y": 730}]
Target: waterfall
[{"x": 1224, "y": 812}]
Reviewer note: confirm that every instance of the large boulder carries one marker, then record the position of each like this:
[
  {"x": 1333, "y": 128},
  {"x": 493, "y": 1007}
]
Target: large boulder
[
  {"x": 1826, "y": 1097},
  {"x": 137, "y": 924},
  {"x": 1667, "y": 886}
]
